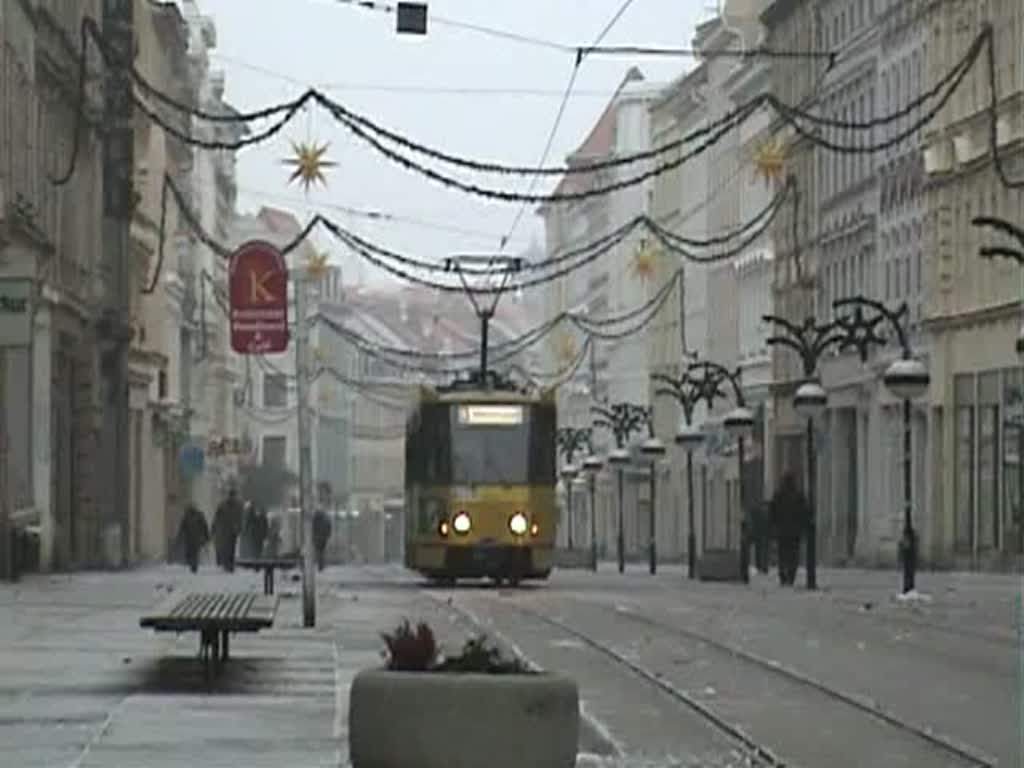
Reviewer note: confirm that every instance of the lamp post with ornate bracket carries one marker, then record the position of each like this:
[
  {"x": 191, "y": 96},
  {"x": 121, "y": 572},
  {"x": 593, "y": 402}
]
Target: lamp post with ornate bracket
[
  {"x": 652, "y": 449},
  {"x": 570, "y": 441},
  {"x": 809, "y": 340},
  {"x": 623, "y": 419},
  {"x": 906, "y": 378},
  {"x": 738, "y": 423},
  {"x": 687, "y": 392}
]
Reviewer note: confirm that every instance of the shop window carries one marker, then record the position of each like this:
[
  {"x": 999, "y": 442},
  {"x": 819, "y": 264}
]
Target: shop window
[
  {"x": 963, "y": 523},
  {"x": 1013, "y": 460},
  {"x": 988, "y": 460}
]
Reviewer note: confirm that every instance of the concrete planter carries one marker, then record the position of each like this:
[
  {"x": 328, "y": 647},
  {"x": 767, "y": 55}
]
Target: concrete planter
[{"x": 455, "y": 720}]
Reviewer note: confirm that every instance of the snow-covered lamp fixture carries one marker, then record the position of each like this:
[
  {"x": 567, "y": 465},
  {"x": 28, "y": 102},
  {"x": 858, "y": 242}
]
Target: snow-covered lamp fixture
[
  {"x": 810, "y": 399},
  {"x": 739, "y": 422},
  {"x": 689, "y": 436},
  {"x": 907, "y": 379},
  {"x": 652, "y": 448},
  {"x": 619, "y": 457},
  {"x": 592, "y": 464}
]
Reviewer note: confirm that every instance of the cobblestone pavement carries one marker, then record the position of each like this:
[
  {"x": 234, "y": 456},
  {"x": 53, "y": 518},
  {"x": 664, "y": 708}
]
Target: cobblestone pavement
[{"x": 82, "y": 686}]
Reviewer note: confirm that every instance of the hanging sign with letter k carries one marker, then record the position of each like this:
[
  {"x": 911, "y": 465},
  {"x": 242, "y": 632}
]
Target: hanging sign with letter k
[{"x": 258, "y": 287}]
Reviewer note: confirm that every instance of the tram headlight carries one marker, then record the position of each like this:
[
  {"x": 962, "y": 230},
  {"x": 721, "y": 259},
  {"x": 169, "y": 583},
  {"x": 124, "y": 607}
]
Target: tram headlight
[
  {"x": 443, "y": 528},
  {"x": 461, "y": 523},
  {"x": 518, "y": 524}
]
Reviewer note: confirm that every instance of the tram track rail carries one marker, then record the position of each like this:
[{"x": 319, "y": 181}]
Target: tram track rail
[
  {"x": 970, "y": 756},
  {"x": 756, "y": 755}
]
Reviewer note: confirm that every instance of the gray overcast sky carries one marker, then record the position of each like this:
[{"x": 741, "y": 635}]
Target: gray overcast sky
[{"x": 270, "y": 48}]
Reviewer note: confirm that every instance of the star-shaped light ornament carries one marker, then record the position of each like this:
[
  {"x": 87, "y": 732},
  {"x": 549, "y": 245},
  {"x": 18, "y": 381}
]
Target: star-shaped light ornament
[
  {"x": 318, "y": 354},
  {"x": 309, "y": 163},
  {"x": 566, "y": 348},
  {"x": 317, "y": 267},
  {"x": 770, "y": 160},
  {"x": 645, "y": 260}
]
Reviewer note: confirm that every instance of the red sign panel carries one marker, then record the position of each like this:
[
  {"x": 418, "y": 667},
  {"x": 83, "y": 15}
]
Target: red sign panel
[{"x": 258, "y": 286}]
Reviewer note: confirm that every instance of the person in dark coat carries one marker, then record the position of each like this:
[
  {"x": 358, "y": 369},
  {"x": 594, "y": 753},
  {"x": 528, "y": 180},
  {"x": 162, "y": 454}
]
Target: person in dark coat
[
  {"x": 790, "y": 513},
  {"x": 321, "y": 535},
  {"x": 194, "y": 534},
  {"x": 227, "y": 524},
  {"x": 760, "y": 526},
  {"x": 273, "y": 546},
  {"x": 245, "y": 549},
  {"x": 260, "y": 528}
]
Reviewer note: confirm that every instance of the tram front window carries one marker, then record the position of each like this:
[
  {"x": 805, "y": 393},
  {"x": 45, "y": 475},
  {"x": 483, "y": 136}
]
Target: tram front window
[{"x": 490, "y": 445}]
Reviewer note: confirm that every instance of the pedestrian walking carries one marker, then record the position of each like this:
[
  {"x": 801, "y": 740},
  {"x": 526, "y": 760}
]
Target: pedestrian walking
[
  {"x": 227, "y": 525},
  {"x": 194, "y": 534},
  {"x": 790, "y": 514},
  {"x": 321, "y": 535},
  {"x": 761, "y": 532},
  {"x": 260, "y": 530}
]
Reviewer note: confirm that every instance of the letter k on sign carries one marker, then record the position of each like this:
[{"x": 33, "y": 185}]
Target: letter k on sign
[{"x": 258, "y": 292}]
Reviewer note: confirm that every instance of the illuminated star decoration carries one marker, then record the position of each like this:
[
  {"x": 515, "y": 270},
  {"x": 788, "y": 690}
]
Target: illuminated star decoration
[
  {"x": 309, "y": 164},
  {"x": 326, "y": 395},
  {"x": 645, "y": 260},
  {"x": 317, "y": 266},
  {"x": 769, "y": 160},
  {"x": 566, "y": 348}
]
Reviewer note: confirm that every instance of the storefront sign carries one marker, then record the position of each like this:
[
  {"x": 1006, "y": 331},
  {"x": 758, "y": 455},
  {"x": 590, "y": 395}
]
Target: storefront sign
[{"x": 15, "y": 312}]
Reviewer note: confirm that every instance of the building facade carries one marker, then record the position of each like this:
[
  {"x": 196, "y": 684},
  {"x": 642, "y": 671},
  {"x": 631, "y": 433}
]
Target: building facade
[
  {"x": 155, "y": 306},
  {"x": 792, "y": 25},
  {"x": 972, "y": 307},
  {"x": 51, "y": 264},
  {"x": 613, "y": 284},
  {"x": 678, "y": 203},
  {"x": 215, "y": 378}
]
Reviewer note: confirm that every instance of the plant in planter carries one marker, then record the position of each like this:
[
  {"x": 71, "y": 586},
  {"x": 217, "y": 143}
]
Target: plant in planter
[{"x": 465, "y": 711}]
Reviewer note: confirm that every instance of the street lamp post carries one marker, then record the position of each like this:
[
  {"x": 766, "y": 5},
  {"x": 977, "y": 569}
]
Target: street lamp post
[
  {"x": 592, "y": 465},
  {"x": 739, "y": 423},
  {"x": 570, "y": 441},
  {"x": 809, "y": 340},
  {"x": 687, "y": 392},
  {"x": 907, "y": 379},
  {"x": 652, "y": 449},
  {"x": 623, "y": 419}
]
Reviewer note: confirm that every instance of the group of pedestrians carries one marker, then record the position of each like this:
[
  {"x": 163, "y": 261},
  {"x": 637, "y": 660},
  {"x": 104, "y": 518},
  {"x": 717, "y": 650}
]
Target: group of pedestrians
[
  {"x": 244, "y": 527},
  {"x": 234, "y": 523},
  {"x": 786, "y": 520}
]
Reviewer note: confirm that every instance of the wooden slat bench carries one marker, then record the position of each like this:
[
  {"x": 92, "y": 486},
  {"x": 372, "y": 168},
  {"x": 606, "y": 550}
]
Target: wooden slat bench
[
  {"x": 268, "y": 565},
  {"x": 214, "y": 616}
]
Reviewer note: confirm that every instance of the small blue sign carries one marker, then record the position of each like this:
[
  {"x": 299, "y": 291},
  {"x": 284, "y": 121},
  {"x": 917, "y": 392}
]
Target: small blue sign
[{"x": 192, "y": 459}]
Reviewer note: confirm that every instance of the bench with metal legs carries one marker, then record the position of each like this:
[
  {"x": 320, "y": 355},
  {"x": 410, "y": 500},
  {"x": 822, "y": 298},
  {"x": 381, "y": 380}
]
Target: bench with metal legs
[{"x": 215, "y": 617}]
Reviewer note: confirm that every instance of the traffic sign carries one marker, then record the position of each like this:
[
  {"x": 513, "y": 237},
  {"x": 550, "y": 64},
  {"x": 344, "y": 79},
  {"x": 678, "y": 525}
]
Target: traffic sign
[
  {"x": 258, "y": 287},
  {"x": 192, "y": 459}
]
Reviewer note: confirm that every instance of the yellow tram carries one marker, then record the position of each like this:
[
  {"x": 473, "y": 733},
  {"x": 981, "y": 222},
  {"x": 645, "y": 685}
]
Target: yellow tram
[{"x": 480, "y": 484}]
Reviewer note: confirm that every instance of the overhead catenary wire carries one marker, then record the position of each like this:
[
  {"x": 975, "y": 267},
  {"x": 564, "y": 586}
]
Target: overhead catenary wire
[
  {"x": 549, "y": 143},
  {"x": 287, "y": 110}
]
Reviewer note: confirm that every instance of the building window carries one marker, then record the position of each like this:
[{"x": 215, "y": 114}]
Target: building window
[
  {"x": 988, "y": 460},
  {"x": 963, "y": 512},
  {"x": 275, "y": 451},
  {"x": 1012, "y": 468},
  {"x": 275, "y": 390}
]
